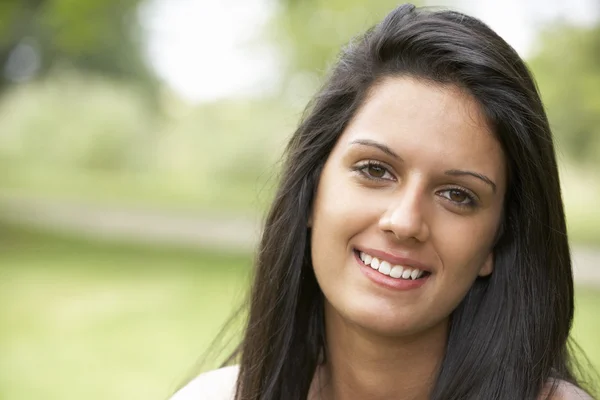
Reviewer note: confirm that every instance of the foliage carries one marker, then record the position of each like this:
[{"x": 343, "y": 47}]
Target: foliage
[
  {"x": 581, "y": 195},
  {"x": 309, "y": 33},
  {"x": 102, "y": 36},
  {"x": 76, "y": 121},
  {"x": 76, "y": 136},
  {"x": 70, "y": 121},
  {"x": 567, "y": 68}
]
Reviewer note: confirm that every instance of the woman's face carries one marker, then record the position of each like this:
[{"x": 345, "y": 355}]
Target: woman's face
[{"x": 407, "y": 208}]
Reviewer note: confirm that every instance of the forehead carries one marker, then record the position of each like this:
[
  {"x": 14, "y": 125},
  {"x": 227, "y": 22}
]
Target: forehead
[{"x": 426, "y": 121}]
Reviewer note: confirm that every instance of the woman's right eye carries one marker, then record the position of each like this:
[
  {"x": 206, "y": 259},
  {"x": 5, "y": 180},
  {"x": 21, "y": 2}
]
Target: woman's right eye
[{"x": 374, "y": 171}]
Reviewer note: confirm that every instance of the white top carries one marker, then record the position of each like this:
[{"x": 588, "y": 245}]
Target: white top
[
  {"x": 213, "y": 385},
  {"x": 220, "y": 385}
]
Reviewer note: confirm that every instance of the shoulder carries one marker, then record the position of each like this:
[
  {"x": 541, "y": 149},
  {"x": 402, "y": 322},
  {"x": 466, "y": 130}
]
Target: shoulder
[
  {"x": 564, "y": 391},
  {"x": 213, "y": 385}
]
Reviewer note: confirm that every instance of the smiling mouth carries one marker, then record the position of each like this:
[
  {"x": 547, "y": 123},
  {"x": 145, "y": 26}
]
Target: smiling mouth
[{"x": 399, "y": 272}]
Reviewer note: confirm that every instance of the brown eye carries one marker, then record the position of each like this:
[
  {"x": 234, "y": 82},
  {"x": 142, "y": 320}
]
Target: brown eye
[
  {"x": 457, "y": 196},
  {"x": 376, "y": 171}
]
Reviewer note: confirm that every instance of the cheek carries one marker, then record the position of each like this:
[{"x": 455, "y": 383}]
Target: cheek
[
  {"x": 463, "y": 245},
  {"x": 338, "y": 215},
  {"x": 333, "y": 203},
  {"x": 330, "y": 224}
]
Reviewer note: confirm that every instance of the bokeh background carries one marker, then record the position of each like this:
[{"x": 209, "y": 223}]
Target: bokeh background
[{"x": 139, "y": 147}]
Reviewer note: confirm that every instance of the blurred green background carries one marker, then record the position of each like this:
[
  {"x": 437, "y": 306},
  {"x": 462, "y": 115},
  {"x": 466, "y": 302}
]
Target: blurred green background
[{"x": 139, "y": 146}]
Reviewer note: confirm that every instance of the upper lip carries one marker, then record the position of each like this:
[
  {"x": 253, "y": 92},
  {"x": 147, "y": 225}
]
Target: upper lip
[{"x": 394, "y": 259}]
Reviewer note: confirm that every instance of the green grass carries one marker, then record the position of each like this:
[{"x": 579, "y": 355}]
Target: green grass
[
  {"x": 102, "y": 321},
  {"x": 586, "y": 329},
  {"x": 83, "y": 320}
]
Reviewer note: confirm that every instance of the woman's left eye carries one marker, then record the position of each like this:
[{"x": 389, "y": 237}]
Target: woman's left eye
[{"x": 459, "y": 197}]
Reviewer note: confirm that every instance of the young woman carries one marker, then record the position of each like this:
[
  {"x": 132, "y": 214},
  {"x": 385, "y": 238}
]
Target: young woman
[{"x": 416, "y": 247}]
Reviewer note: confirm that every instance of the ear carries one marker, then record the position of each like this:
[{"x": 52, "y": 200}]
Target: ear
[{"x": 488, "y": 265}]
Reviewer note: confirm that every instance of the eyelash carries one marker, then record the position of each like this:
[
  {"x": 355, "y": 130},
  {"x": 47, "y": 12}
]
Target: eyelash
[{"x": 363, "y": 167}]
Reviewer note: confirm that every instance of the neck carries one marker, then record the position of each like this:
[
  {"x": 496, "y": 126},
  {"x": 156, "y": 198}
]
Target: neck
[{"x": 363, "y": 365}]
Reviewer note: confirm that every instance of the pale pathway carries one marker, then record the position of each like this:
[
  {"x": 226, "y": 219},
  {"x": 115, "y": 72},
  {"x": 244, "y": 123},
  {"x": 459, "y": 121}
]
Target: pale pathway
[{"x": 208, "y": 230}]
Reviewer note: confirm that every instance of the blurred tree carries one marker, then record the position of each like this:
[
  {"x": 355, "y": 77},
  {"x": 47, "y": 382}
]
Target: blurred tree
[
  {"x": 567, "y": 68},
  {"x": 310, "y": 33},
  {"x": 100, "y": 36}
]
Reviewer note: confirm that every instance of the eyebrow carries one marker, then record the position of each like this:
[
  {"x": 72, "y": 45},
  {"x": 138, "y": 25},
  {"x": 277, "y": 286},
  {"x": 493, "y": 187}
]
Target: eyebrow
[
  {"x": 452, "y": 172},
  {"x": 380, "y": 146},
  {"x": 458, "y": 172}
]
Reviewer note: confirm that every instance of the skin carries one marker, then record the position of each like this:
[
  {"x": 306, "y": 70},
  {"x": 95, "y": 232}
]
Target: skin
[{"x": 416, "y": 209}]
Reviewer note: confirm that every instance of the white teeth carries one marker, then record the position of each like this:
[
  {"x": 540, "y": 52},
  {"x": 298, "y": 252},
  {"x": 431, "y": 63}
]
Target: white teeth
[
  {"x": 396, "y": 272},
  {"x": 375, "y": 263},
  {"x": 415, "y": 273},
  {"x": 385, "y": 268}
]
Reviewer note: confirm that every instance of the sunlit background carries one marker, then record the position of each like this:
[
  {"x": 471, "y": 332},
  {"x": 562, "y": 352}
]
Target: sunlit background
[{"x": 139, "y": 147}]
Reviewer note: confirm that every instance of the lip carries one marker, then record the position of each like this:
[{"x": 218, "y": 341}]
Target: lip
[
  {"x": 386, "y": 281},
  {"x": 395, "y": 260}
]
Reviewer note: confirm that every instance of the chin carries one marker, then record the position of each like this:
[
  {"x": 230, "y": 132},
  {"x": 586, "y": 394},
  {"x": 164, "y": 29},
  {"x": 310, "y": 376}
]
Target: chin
[{"x": 383, "y": 320}]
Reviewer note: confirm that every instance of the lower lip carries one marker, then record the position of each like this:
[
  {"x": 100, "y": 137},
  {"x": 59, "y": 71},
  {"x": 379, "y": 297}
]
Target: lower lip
[{"x": 387, "y": 281}]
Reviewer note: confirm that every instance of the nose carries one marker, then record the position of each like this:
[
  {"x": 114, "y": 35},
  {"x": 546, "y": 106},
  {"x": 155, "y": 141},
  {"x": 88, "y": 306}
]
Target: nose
[{"x": 404, "y": 217}]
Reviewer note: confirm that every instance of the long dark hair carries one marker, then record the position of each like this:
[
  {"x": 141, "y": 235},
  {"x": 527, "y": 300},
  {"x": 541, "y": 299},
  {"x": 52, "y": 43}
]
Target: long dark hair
[{"x": 508, "y": 337}]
